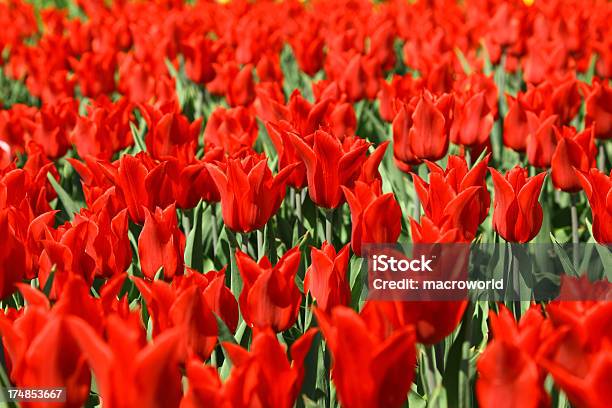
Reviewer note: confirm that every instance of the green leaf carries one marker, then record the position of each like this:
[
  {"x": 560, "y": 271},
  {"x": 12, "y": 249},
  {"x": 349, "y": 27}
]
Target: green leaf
[{"x": 71, "y": 206}]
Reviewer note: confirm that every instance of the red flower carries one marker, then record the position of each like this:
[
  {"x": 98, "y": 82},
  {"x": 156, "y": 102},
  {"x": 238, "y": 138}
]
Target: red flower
[
  {"x": 269, "y": 297},
  {"x": 125, "y": 366},
  {"x": 12, "y": 256},
  {"x": 517, "y": 214},
  {"x": 575, "y": 151},
  {"x": 421, "y": 129},
  {"x": 507, "y": 369},
  {"x": 327, "y": 277},
  {"x": 516, "y": 125},
  {"x": 330, "y": 164},
  {"x": 232, "y": 129},
  {"x": 369, "y": 369},
  {"x": 250, "y": 194},
  {"x": 457, "y": 196},
  {"x": 375, "y": 217},
  {"x": 161, "y": 244},
  {"x": 170, "y": 135},
  {"x": 598, "y": 189},
  {"x": 473, "y": 122},
  {"x": 598, "y": 109},
  {"x": 254, "y": 380},
  {"x": 105, "y": 130},
  {"x": 542, "y": 141}
]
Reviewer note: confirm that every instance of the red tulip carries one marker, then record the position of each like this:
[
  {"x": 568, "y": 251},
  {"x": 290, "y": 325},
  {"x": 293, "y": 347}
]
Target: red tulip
[
  {"x": 473, "y": 122},
  {"x": 598, "y": 189},
  {"x": 517, "y": 214},
  {"x": 170, "y": 135},
  {"x": 125, "y": 366},
  {"x": 369, "y": 369},
  {"x": 457, "y": 195},
  {"x": 42, "y": 351},
  {"x": 542, "y": 141},
  {"x": 330, "y": 164},
  {"x": 187, "y": 310},
  {"x": 327, "y": 277},
  {"x": 161, "y": 244},
  {"x": 432, "y": 320},
  {"x": 250, "y": 194},
  {"x": 517, "y": 125},
  {"x": 254, "y": 380},
  {"x": 375, "y": 217},
  {"x": 269, "y": 297},
  {"x": 421, "y": 129},
  {"x": 12, "y": 256},
  {"x": 508, "y": 373},
  {"x": 575, "y": 151},
  {"x": 105, "y": 130},
  {"x": 232, "y": 129},
  {"x": 598, "y": 111}
]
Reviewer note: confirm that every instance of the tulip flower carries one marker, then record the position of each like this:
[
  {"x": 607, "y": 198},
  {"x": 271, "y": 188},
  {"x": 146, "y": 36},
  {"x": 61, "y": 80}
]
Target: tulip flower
[
  {"x": 517, "y": 214},
  {"x": 473, "y": 122},
  {"x": 369, "y": 369},
  {"x": 170, "y": 135},
  {"x": 598, "y": 111},
  {"x": 508, "y": 365},
  {"x": 161, "y": 244},
  {"x": 232, "y": 129},
  {"x": 575, "y": 151},
  {"x": 187, "y": 310},
  {"x": 542, "y": 141},
  {"x": 327, "y": 277},
  {"x": 421, "y": 129},
  {"x": 375, "y": 217},
  {"x": 516, "y": 125},
  {"x": 457, "y": 195},
  {"x": 330, "y": 164},
  {"x": 277, "y": 385},
  {"x": 597, "y": 187},
  {"x": 250, "y": 194},
  {"x": 269, "y": 297},
  {"x": 125, "y": 366},
  {"x": 42, "y": 351},
  {"x": 12, "y": 256}
]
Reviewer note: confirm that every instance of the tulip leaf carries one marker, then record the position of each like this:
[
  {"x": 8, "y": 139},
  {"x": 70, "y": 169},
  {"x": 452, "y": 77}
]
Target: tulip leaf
[
  {"x": 568, "y": 266},
  {"x": 194, "y": 251},
  {"x": 70, "y": 205}
]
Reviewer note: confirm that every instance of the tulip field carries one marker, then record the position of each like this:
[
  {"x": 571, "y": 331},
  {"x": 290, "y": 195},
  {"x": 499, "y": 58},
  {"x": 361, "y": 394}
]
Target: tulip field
[{"x": 190, "y": 191}]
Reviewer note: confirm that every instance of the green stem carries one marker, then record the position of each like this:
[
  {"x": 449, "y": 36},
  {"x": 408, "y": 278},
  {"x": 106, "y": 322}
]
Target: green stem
[
  {"x": 329, "y": 218},
  {"x": 260, "y": 244},
  {"x": 215, "y": 232},
  {"x": 575, "y": 237}
]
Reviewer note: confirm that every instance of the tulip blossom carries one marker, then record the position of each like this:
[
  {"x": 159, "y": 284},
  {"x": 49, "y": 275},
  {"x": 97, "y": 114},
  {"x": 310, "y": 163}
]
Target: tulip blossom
[
  {"x": 457, "y": 195},
  {"x": 473, "y": 122},
  {"x": 161, "y": 244},
  {"x": 250, "y": 194},
  {"x": 330, "y": 164},
  {"x": 516, "y": 125},
  {"x": 383, "y": 363},
  {"x": 42, "y": 351},
  {"x": 517, "y": 214},
  {"x": 187, "y": 309},
  {"x": 421, "y": 130},
  {"x": 508, "y": 367},
  {"x": 269, "y": 297},
  {"x": 375, "y": 217},
  {"x": 327, "y": 277},
  {"x": 12, "y": 256},
  {"x": 231, "y": 129},
  {"x": 598, "y": 109},
  {"x": 574, "y": 152},
  {"x": 542, "y": 141},
  {"x": 125, "y": 365},
  {"x": 598, "y": 188}
]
